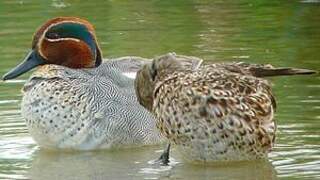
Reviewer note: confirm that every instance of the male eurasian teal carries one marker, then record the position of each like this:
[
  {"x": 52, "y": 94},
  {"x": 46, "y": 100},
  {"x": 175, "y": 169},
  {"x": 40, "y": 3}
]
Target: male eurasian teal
[
  {"x": 74, "y": 100},
  {"x": 215, "y": 112}
]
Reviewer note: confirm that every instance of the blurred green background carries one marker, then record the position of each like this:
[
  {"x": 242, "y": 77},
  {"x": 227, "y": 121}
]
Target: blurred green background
[{"x": 282, "y": 33}]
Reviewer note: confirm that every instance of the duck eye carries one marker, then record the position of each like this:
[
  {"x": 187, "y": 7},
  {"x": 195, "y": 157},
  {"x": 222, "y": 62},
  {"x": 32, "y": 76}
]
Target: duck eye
[{"x": 52, "y": 35}]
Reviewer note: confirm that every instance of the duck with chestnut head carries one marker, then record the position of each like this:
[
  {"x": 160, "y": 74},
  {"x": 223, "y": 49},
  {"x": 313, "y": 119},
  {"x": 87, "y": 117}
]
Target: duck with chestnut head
[{"x": 74, "y": 99}]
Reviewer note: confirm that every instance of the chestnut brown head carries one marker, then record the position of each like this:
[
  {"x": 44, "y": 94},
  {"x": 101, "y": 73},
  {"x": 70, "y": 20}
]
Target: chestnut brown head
[{"x": 66, "y": 41}]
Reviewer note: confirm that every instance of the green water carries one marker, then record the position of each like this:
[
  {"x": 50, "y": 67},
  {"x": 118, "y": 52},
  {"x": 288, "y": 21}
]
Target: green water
[{"x": 283, "y": 33}]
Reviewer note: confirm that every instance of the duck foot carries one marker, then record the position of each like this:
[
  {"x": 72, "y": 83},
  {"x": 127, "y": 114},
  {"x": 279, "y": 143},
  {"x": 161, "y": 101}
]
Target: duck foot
[{"x": 164, "y": 158}]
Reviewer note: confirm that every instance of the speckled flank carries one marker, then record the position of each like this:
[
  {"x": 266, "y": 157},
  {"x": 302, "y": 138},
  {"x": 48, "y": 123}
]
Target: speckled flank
[
  {"x": 215, "y": 112},
  {"x": 216, "y": 116},
  {"x": 87, "y": 108}
]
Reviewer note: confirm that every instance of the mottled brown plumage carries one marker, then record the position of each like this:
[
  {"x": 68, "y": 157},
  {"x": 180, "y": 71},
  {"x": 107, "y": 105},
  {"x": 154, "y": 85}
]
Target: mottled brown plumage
[{"x": 211, "y": 112}]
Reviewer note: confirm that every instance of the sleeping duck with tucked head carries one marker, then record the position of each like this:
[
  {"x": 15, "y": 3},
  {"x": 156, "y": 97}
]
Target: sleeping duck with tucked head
[
  {"x": 212, "y": 112},
  {"x": 74, "y": 99}
]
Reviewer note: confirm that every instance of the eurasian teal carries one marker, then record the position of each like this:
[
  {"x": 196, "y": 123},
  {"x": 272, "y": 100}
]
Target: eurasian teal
[
  {"x": 215, "y": 112},
  {"x": 74, "y": 100}
]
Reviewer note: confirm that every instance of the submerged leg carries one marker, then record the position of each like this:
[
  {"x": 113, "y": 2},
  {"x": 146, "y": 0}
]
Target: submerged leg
[{"x": 164, "y": 158}]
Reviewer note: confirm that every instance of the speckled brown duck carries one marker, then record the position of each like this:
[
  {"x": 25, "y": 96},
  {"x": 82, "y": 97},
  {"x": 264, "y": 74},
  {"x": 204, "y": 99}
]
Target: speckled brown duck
[{"x": 215, "y": 112}]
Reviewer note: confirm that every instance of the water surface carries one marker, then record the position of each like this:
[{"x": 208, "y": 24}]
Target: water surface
[{"x": 283, "y": 33}]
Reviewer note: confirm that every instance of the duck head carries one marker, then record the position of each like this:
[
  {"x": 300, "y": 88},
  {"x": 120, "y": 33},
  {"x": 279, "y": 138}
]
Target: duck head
[
  {"x": 66, "y": 41},
  {"x": 152, "y": 75}
]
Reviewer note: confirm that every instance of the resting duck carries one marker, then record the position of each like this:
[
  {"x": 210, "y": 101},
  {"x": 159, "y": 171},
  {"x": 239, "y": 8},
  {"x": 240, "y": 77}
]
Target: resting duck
[
  {"x": 215, "y": 112},
  {"x": 74, "y": 100}
]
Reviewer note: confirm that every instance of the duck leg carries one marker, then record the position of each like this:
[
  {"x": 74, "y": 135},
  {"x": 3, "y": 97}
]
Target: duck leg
[{"x": 164, "y": 158}]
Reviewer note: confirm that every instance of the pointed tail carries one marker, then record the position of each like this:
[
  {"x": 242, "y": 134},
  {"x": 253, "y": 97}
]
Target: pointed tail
[{"x": 264, "y": 72}]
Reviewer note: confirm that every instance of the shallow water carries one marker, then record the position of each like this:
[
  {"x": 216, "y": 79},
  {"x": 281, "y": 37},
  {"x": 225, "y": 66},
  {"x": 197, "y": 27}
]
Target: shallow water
[{"x": 283, "y": 33}]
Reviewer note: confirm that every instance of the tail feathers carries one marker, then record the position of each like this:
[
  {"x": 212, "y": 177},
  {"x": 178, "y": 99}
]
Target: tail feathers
[{"x": 265, "y": 72}]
